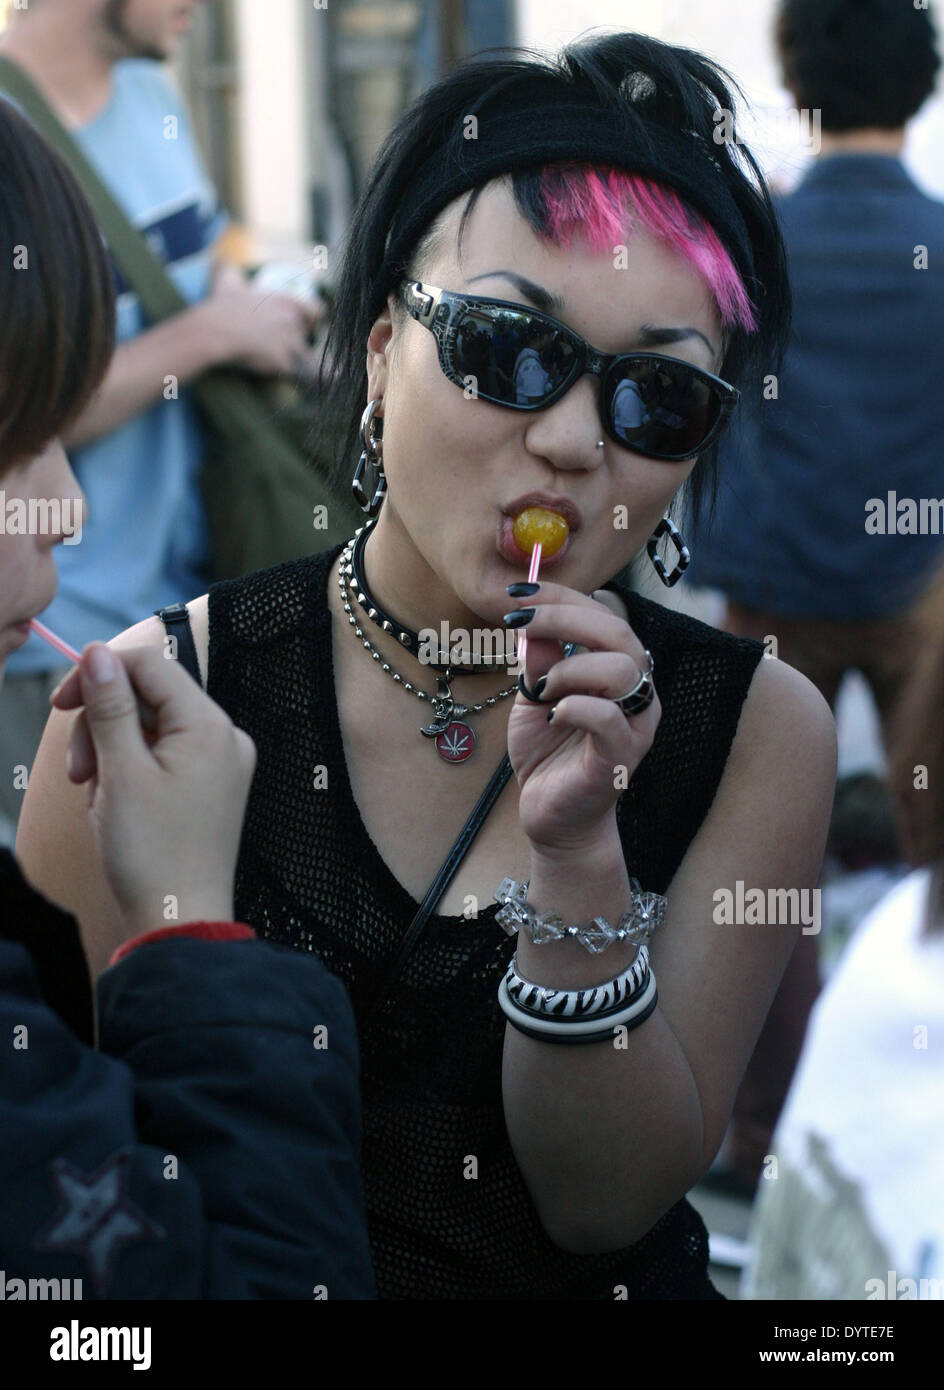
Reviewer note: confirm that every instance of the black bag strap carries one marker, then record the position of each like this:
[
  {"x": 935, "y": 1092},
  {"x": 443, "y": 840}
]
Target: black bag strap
[
  {"x": 452, "y": 861},
  {"x": 450, "y": 864},
  {"x": 176, "y": 620}
]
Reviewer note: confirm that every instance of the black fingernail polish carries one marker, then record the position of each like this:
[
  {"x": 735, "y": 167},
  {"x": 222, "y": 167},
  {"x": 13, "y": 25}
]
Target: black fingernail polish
[
  {"x": 539, "y": 685},
  {"x": 528, "y": 694},
  {"x": 552, "y": 713},
  {"x": 519, "y": 617},
  {"x": 522, "y": 589}
]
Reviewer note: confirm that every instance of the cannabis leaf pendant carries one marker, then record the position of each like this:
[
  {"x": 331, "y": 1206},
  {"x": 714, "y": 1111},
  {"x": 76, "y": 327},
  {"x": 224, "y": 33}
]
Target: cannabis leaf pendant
[{"x": 454, "y": 740}]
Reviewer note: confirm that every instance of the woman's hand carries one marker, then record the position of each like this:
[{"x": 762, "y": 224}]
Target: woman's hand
[
  {"x": 262, "y": 332},
  {"x": 568, "y": 770},
  {"x": 166, "y": 806}
]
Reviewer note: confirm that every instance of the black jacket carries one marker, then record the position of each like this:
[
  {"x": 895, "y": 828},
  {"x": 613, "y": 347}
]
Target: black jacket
[{"x": 207, "y": 1149}]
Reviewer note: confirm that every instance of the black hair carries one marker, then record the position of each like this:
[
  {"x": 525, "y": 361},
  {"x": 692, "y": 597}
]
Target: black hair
[
  {"x": 57, "y": 288},
  {"x": 862, "y": 63},
  {"x": 682, "y": 90}
]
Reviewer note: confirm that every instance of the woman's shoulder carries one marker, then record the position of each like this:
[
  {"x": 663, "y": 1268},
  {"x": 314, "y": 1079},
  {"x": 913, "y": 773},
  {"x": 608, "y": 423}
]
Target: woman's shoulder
[
  {"x": 270, "y": 603},
  {"x": 253, "y": 609}
]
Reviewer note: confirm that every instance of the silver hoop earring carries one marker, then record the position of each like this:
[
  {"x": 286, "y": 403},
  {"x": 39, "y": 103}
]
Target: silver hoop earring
[
  {"x": 371, "y": 431},
  {"x": 668, "y": 528}
]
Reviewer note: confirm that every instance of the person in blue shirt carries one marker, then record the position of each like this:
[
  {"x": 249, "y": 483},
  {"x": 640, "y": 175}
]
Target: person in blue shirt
[
  {"x": 208, "y": 1147},
  {"x": 138, "y": 447},
  {"x": 831, "y": 506}
]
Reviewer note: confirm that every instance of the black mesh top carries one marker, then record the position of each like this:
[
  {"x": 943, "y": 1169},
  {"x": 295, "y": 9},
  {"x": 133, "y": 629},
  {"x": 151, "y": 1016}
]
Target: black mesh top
[{"x": 309, "y": 876}]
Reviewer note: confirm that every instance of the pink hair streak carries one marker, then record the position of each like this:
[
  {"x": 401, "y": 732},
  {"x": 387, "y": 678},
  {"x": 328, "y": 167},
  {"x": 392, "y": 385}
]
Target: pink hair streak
[{"x": 602, "y": 203}]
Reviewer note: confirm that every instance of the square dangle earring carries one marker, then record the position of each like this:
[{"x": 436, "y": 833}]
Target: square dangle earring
[
  {"x": 668, "y": 528},
  {"x": 371, "y": 430}
]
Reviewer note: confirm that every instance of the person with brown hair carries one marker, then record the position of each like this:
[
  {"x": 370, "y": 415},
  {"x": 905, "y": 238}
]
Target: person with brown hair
[
  {"x": 175, "y": 1159},
  {"x": 139, "y": 444}
]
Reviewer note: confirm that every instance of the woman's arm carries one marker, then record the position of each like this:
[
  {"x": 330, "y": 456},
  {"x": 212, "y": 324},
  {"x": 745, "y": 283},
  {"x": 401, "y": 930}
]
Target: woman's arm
[
  {"x": 608, "y": 1138},
  {"x": 55, "y": 844},
  {"x": 188, "y": 344},
  {"x": 263, "y": 333}
]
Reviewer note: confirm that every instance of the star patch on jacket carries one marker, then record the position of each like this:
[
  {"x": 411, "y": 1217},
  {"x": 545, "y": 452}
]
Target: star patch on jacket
[{"x": 96, "y": 1217}]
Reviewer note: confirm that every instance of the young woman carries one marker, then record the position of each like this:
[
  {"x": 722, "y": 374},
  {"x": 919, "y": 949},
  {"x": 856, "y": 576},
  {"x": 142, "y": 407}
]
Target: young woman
[
  {"x": 172, "y": 1162},
  {"x": 574, "y": 208}
]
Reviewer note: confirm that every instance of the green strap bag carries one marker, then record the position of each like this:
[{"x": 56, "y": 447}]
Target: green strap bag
[{"x": 265, "y": 501}]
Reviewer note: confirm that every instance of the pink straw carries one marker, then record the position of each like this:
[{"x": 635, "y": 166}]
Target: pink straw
[
  {"x": 147, "y": 715},
  {"x": 55, "y": 641},
  {"x": 532, "y": 576}
]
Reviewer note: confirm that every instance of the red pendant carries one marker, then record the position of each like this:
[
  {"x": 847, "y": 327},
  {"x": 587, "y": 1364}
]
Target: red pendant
[{"x": 456, "y": 742}]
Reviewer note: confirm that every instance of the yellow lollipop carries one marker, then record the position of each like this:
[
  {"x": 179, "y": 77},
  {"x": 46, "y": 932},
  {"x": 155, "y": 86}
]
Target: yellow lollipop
[{"x": 537, "y": 524}]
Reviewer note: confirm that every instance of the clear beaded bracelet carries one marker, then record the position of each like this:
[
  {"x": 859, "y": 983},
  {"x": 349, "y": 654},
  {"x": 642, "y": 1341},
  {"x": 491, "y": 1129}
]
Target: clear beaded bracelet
[{"x": 636, "y": 925}]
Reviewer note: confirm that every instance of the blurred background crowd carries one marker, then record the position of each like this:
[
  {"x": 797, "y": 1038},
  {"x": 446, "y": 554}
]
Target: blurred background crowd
[{"x": 290, "y": 102}]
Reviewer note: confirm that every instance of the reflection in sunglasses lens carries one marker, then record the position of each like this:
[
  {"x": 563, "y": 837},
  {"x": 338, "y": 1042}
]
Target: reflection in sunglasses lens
[
  {"x": 512, "y": 358},
  {"x": 659, "y": 409}
]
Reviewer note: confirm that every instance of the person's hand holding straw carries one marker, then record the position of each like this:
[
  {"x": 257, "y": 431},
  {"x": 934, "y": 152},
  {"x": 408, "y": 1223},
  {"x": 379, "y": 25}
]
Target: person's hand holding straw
[{"x": 166, "y": 814}]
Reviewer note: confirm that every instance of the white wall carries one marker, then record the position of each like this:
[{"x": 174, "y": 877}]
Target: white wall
[
  {"x": 549, "y": 24},
  {"x": 283, "y": 112},
  {"x": 274, "y": 122}
]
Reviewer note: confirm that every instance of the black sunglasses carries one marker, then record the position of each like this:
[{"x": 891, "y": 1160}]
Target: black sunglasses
[{"x": 525, "y": 359}]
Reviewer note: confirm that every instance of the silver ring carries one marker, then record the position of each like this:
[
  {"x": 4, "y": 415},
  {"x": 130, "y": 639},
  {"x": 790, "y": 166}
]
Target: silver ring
[{"x": 642, "y": 694}]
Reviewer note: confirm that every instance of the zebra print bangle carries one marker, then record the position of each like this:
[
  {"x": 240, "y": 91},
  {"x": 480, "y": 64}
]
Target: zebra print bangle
[
  {"x": 586, "y": 1030},
  {"x": 578, "y": 1003},
  {"x": 620, "y": 1013}
]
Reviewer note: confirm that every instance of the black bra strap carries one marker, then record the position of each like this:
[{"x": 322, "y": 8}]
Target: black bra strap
[{"x": 176, "y": 620}]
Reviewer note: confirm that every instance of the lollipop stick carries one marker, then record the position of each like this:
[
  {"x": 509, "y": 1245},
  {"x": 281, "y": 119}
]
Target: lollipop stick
[
  {"x": 532, "y": 577},
  {"x": 55, "y": 641}
]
